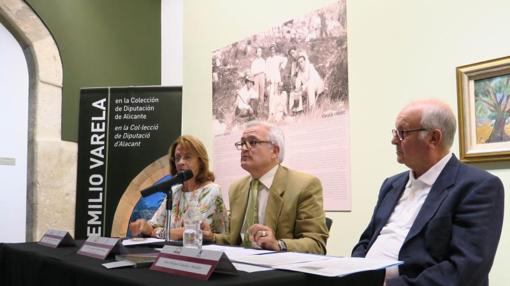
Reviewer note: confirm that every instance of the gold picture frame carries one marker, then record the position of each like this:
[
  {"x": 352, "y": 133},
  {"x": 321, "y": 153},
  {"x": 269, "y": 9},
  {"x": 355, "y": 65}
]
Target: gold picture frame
[{"x": 483, "y": 91}]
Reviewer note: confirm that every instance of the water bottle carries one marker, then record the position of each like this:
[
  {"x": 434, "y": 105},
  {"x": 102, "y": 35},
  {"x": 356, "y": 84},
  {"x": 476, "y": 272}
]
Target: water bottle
[{"x": 192, "y": 236}]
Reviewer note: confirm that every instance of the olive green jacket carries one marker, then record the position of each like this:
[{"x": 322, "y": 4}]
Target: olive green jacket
[{"x": 294, "y": 211}]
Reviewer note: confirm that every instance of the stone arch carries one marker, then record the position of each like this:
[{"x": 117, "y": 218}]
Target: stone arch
[{"x": 51, "y": 182}]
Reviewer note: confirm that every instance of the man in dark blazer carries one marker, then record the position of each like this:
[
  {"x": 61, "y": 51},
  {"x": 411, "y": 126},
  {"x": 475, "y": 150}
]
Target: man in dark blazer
[
  {"x": 290, "y": 214},
  {"x": 442, "y": 218}
]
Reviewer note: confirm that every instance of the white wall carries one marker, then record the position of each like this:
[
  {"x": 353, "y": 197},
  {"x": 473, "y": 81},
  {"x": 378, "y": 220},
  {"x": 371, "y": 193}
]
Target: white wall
[
  {"x": 13, "y": 142},
  {"x": 171, "y": 42},
  {"x": 399, "y": 50}
]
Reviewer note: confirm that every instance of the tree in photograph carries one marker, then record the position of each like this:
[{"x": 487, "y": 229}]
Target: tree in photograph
[{"x": 492, "y": 101}]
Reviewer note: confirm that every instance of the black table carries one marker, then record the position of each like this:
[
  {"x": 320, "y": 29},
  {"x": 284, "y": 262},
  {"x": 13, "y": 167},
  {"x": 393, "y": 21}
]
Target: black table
[{"x": 34, "y": 264}]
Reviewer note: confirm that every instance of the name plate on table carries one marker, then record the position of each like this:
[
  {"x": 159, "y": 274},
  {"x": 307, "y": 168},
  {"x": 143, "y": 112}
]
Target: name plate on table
[
  {"x": 100, "y": 247},
  {"x": 192, "y": 262},
  {"x": 55, "y": 238}
]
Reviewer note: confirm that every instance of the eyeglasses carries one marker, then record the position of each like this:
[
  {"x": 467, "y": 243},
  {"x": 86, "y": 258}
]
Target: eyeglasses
[
  {"x": 401, "y": 134},
  {"x": 248, "y": 144}
]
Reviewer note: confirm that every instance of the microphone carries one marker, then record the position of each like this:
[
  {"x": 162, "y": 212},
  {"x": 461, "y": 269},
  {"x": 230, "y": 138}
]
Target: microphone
[{"x": 179, "y": 178}]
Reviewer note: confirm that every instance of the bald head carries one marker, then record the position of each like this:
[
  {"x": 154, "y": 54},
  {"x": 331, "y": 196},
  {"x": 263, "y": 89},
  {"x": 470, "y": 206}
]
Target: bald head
[{"x": 435, "y": 114}]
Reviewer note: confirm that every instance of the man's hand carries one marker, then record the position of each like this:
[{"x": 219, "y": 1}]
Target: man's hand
[{"x": 263, "y": 236}]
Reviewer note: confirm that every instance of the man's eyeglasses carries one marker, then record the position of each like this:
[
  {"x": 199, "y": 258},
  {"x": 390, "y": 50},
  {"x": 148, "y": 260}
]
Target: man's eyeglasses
[
  {"x": 248, "y": 144},
  {"x": 401, "y": 134}
]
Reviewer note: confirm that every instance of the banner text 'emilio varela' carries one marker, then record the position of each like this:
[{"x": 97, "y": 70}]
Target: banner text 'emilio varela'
[
  {"x": 96, "y": 181},
  {"x": 122, "y": 131}
]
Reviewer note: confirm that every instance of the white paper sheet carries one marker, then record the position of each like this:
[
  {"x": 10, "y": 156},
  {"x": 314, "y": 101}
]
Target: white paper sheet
[
  {"x": 119, "y": 264},
  {"x": 250, "y": 268},
  {"x": 136, "y": 241},
  {"x": 233, "y": 252},
  {"x": 279, "y": 258},
  {"x": 339, "y": 266}
]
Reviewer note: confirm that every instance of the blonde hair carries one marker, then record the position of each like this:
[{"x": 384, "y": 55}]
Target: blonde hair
[{"x": 196, "y": 148}]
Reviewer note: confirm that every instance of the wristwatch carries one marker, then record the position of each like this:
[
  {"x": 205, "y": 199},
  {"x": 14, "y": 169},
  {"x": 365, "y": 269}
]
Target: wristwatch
[{"x": 282, "y": 245}]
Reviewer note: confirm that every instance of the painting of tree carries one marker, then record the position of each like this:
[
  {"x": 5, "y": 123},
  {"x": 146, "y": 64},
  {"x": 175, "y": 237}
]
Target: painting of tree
[{"x": 492, "y": 103}]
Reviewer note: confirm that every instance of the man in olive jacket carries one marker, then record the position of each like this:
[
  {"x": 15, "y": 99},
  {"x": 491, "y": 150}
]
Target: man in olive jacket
[{"x": 289, "y": 203}]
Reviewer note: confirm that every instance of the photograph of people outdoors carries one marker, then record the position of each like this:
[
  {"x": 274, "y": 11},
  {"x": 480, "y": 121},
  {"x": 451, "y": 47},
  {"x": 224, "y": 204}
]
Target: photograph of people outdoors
[
  {"x": 293, "y": 75},
  {"x": 297, "y": 69}
]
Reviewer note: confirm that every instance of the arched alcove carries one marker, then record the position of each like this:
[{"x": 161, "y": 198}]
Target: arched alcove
[{"x": 51, "y": 182}]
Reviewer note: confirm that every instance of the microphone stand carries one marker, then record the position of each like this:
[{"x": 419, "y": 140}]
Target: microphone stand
[
  {"x": 178, "y": 179},
  {"x": 169, "y": 201}
]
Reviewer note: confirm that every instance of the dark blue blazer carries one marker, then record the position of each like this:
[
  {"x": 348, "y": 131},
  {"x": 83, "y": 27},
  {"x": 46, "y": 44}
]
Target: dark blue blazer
[{"x": 456, "y": 233}]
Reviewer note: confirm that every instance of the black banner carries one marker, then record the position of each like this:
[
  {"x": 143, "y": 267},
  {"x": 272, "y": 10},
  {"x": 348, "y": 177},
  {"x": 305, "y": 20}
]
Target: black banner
[{"x": 121, "y": 131}]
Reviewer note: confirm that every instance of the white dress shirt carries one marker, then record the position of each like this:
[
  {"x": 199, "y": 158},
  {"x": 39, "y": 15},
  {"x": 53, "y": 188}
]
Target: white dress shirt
[
  {"x": 391, "y": 238},
  {"x": 258, "y": 66}
]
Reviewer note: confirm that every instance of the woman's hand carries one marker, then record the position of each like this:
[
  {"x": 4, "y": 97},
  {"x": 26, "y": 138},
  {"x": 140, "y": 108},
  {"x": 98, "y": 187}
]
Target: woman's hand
[
  {"x": 207, "y": 234},
  {"x": 140, "y": 226}
]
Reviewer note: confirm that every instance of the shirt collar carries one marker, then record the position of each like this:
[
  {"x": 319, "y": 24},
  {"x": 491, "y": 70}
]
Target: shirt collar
[
  {"x": 267, "y": 178},
  {"x": 429, "y": 178}
]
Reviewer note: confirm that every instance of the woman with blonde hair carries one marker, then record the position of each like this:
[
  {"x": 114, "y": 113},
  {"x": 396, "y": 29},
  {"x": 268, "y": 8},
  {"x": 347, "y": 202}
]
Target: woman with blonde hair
[{"x": 187, "y": 153}]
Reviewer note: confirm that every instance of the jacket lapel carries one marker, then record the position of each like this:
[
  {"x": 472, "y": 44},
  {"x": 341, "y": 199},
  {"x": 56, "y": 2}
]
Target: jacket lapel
[
  {"x": 238, "y": 201},
  {"x": 389, "y": 202},
  {"x": 275, "y": 199},
  {"x": 436, "y": 196}
]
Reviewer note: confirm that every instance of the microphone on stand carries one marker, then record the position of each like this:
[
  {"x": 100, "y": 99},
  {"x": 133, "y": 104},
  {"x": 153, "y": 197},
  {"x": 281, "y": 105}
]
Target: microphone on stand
[{"x": 179, "y": 178}]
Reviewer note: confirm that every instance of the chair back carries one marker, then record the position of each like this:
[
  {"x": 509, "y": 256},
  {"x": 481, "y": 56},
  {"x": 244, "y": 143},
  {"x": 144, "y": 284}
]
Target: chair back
[{"x": 329, "y": 222}]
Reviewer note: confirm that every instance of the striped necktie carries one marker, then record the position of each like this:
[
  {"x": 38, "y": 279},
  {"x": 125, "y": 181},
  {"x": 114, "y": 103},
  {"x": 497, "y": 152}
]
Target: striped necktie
[{"x": 250, "y": 216}]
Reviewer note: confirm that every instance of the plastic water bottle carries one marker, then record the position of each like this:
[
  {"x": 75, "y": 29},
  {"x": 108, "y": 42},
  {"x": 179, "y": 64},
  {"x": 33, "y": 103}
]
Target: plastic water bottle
[{"x": 192, "y": 236}]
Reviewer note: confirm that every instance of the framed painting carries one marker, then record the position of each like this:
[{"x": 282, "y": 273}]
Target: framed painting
[{"x": 483, "y": 91}]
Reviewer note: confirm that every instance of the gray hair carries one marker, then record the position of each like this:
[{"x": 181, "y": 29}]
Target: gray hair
[
  {"x": 276, "y": 136},
  {"x": 438, "y": 115}
]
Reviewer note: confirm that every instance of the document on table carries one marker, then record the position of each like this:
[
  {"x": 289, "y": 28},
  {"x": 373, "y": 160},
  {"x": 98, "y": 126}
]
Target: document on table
[
  {"x": 118, "y": 264},
  {"x": 339, "y": 266},
  {"x": 234, "y": 251},
  {"x": 250, "y": 268},
  {"x": 137, "y": 241},
  {"x": 279, "y": 258}
]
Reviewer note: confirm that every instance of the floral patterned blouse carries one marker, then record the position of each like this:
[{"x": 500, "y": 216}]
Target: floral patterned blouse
[{"x": 210, "y": 204}]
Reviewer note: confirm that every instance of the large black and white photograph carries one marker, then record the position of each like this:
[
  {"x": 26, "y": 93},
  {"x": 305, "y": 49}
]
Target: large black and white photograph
[
  {"x": 297, "y": 69},
  {"x": 293, "y": 75}
]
